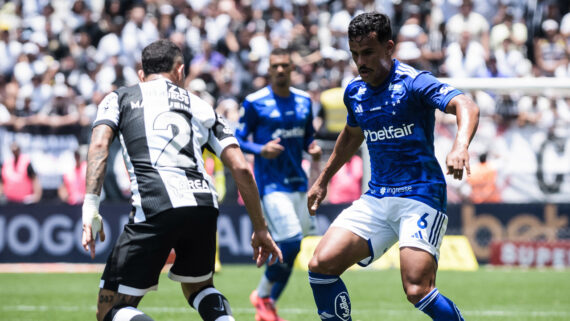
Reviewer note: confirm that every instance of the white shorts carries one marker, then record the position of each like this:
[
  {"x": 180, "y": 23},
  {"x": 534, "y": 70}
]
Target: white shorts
[
  {"x": 383, "y": 221},
  {"x": 287, "y": 215}
]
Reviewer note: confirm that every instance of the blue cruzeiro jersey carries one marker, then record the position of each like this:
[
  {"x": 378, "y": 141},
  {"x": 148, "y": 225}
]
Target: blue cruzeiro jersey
[
  {"x": 397, "y": 119},
  {"x": 267, "y": 116}
]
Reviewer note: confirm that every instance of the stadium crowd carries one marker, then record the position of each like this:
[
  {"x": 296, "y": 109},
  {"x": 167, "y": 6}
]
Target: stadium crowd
[{"x": 59, "y": 58}]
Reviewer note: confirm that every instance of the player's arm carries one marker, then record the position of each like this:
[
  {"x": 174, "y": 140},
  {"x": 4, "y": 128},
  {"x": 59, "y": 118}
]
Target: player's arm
[
  {"x": 467, "y": 114},
  {"x": 97, "y": 156},
  {"x": 347, "y": 143},
  {"x": 262, "y": 243}
]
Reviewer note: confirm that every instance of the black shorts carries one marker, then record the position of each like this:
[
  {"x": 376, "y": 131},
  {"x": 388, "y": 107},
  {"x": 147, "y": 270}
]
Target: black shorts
[{"x": 134, "y": 265}]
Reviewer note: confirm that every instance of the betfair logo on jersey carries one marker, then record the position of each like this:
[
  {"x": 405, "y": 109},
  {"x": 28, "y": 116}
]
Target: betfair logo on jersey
[
  {"x": 288, "y": 133},
  {"x": 388, "y": 133}
]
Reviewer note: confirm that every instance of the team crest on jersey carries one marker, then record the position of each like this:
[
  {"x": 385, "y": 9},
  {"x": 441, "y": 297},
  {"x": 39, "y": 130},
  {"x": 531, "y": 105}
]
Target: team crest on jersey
[{"x": 394, "y": 87}]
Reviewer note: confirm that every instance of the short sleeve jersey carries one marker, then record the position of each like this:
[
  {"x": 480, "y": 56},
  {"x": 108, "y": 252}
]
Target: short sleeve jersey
[
  {"x": 398, "y": 119},
  {"x": 266, "y": 117},
  {"x": 163, "y": 129}
]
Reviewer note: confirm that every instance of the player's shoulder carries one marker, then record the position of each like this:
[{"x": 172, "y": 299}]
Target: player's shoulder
[
  {"x": 407, "y": 72},
  {"x": 202, "y": 110},
  {"x": 258, "y": 95},
  {"x": 299, "y": 92}
]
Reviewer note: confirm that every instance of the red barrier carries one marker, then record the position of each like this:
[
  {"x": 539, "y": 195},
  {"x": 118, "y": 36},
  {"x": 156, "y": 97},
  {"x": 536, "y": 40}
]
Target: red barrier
[{"x": 531, "y": 254}]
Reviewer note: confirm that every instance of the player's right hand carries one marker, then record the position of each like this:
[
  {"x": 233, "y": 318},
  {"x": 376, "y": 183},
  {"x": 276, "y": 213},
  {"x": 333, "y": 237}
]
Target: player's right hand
[
  {"x": 264, "y": 246},
  {"x": 272, "y": 149},
  {"x": 315, "y": 197},
  {"x": 92, "y": 223}
]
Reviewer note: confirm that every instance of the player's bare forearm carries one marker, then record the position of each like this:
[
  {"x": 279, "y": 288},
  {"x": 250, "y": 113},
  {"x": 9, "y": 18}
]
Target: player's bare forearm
[
  {"x": 347, "y": 143},
  {"x": 233, "y": 158},
  {"x": 467, "y": 113},
  {"x": 97, "y": 156}
]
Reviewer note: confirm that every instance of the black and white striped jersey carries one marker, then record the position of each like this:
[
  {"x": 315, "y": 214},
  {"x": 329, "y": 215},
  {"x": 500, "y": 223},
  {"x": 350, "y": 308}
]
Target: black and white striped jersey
[{"x": 162, "y": 129}]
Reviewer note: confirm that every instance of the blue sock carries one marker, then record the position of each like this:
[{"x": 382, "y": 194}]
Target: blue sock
[
  {"x": 439, "y": 308},
  {"x": 280, "y": 273},
  {"x": 331, "y": 297}
]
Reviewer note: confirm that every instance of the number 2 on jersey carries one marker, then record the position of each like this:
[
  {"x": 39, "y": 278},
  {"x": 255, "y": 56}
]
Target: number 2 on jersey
[{"x": 178, "y": 127}]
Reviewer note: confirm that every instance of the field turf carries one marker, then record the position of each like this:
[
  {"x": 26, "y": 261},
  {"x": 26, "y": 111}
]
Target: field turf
[{"x": 488, "y": 295}]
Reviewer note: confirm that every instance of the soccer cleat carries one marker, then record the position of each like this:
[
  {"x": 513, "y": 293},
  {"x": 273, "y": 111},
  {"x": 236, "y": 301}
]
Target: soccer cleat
[{"x": 264, "y": 308}]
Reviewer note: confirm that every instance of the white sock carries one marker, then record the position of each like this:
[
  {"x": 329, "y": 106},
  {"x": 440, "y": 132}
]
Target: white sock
[
  {"x": 264, "y": 287},
  {"x": 130, "y": 314}
]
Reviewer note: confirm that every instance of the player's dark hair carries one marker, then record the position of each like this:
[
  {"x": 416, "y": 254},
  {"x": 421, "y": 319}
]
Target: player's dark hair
[
  {"x": 368, "y": 22},
  {"x": 280, "y": 51},
  {"x": 160, "y": 56}
]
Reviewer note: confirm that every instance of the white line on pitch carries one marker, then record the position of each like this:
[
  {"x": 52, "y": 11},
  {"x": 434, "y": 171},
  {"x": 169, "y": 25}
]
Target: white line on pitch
[{"x": 481, "y": 313}]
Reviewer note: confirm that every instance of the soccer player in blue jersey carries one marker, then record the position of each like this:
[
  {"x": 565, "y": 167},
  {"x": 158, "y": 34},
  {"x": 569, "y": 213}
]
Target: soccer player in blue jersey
[
  {"x": 279, "y": 119},
  {"x": 391, "y": 106}
]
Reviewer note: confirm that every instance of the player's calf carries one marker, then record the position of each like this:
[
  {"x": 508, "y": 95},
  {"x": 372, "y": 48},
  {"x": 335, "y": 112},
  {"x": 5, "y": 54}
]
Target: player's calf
[
  {"x": 331, "y": 297},
  {"x": 211, "y": 304},
  {"x": 439, "y": 308}
]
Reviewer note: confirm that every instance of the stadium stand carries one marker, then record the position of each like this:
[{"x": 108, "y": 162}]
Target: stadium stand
[{"x": 60, "y": 58}]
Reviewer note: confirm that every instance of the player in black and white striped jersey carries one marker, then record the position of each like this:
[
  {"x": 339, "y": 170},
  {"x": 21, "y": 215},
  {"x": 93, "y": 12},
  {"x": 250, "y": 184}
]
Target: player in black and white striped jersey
[{"x": 163, "y": 129}]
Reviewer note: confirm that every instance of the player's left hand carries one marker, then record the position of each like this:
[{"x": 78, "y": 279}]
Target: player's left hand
[
  {"x": 315, "y": 151},
  {"x": 456, "y": 160},
  {"x": 264, "y": 246},
  {"x": 92, "y": 223}
]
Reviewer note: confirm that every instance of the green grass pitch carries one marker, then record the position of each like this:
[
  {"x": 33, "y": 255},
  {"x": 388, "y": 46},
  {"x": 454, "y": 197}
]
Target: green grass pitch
[{"x": 487, "y": 295}]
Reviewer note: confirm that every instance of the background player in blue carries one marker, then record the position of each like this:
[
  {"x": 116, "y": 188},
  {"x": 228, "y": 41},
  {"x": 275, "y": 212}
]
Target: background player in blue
[
  {"x": 391, "y": 106},
  {"x": 279, "y": 119}
]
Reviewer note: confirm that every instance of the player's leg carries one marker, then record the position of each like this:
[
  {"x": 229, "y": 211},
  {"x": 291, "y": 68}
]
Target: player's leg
[
  {"x": 337, "y": 251},
  {"x": 194, "y": 265},
  {"x": 113, "y": 306},
  {"x": 290, "y": 247},
  {"x": 421, "y": 232},
  {"x": 418, "y": 269},
  {"x": 208, "y": 301},
  {"x": 359, "y": 234},
  {"x": 133, "y": 268},
  {"x": 279, "y": 209}
]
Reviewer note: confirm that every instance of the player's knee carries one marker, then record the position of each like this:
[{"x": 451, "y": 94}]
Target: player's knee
[
  {"x": 416, "y": 292},
  {"x": 322, "y": 264}
]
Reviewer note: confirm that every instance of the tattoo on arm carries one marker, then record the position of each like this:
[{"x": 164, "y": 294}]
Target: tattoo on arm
[{"x": 97, "y": 158}]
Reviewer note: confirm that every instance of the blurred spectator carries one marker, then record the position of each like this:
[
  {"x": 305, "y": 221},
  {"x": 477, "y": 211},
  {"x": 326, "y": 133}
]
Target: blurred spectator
[
  {"x": 339, "y": 23},
  {"x": 483, "y": 182},
  {"x": 72, "y": 190},
  {"x": 465, "y": 58},
  {"x": 550, "y": 50},
  {"x": 19, "y": 180},
  {"x": 10, "y": 50},
  {"x": 345, "y": 186},
  {"x": 411, "y": 38},
  {"x": 472, "y": 22},
  {"x": 510, "y": 60},
  {"x": 138, "y": 32},
  {"x": 508, "y": 28}
]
